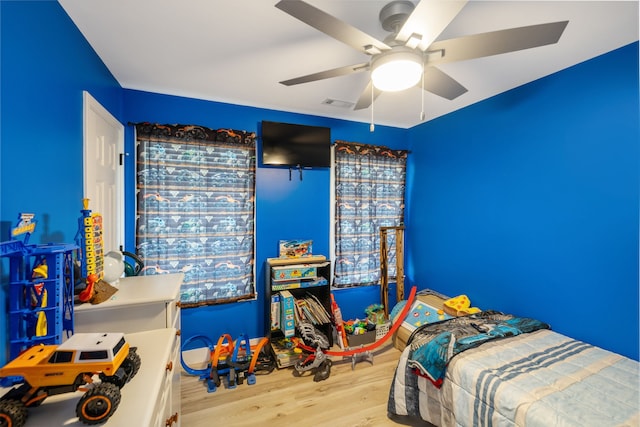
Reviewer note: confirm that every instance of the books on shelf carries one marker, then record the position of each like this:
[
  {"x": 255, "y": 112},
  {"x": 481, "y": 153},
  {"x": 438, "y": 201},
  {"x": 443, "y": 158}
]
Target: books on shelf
[
  {"x": 310, "y": 309},
  {"x": 289, "y": 310}
]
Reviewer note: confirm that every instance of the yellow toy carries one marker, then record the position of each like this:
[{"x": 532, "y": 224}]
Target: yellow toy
[
  {"x": 41, "y": 271},
  {"x": 459, "y": 306}
]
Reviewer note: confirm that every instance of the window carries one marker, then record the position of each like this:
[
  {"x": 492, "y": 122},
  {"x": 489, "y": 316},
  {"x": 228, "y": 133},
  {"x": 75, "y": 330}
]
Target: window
[
  {"x": 195, "y": 195},
  {"x": 118, "y": 346},
  {"x": 369, "y": 194},
  {"x": 94, "y": 355},
  {"x": 61, "y": 357}
]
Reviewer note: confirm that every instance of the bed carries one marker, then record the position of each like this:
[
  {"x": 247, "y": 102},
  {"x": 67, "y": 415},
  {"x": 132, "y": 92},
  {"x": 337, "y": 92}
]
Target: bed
[{"x": 493, "y": 369}]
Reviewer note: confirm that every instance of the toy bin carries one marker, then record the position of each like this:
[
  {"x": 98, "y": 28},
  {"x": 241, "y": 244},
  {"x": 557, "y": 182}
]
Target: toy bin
[
  {"x": 382, "y": 329},
  {"x": 356, "y": 340}
]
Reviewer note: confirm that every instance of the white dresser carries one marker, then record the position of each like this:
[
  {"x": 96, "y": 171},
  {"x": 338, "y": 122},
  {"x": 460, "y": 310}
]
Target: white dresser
[
  {"x": 146, "y": 309},
  {"x": 151, "y": 398},
  {"x": 141, "y": 303}
]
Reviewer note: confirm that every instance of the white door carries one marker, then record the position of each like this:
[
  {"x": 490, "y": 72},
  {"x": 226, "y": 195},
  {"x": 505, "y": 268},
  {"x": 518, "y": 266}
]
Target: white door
[{"x": 103, "y": 173}]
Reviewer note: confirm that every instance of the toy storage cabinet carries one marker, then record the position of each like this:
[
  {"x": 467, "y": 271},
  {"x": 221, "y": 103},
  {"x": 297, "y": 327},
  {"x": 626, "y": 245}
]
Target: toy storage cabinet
[
  {"x": 323, "y": 292},
  {"x": 53, "y": 301}
]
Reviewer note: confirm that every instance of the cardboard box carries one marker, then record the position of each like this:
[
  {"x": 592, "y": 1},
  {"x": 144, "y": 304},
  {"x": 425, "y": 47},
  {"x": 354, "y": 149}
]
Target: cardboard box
[
  {"x": 285, "y": 355},
  {"x": 294, "y": 272},
  {"x": 296, "y": 284},
  {"x": 295, "y": 248},
  {"x": 287, "y": 320},
  {"x": 275, "y": 312}
]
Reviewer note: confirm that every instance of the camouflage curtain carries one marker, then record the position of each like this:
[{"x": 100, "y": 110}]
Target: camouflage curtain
[
  {"x": 195, "y": 209},
  {"x": 370, "y": 183}
]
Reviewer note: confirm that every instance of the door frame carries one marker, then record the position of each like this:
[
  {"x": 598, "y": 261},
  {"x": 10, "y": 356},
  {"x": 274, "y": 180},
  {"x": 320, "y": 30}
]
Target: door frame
[{"x": 92, "y": 107}]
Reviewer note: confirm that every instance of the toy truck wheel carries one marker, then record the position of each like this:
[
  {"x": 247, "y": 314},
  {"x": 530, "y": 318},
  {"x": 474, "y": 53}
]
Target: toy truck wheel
[
  {"x": 131, "y": 364},
  {"x": 13, "y": 413},
  {"x": 128, "y": 369},
  {"x": 98, "y": 404}
]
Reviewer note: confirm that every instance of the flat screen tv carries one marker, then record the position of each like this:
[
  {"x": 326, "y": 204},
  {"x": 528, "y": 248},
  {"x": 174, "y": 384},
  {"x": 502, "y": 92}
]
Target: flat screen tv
[{"x": 293, "y": 145}]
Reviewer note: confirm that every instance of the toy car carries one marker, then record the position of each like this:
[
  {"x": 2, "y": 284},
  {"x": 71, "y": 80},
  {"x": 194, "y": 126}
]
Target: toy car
[{"x": 46, "y": 370}]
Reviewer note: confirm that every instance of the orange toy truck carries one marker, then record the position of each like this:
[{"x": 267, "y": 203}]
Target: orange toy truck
[{"x": 97, "y": 363}]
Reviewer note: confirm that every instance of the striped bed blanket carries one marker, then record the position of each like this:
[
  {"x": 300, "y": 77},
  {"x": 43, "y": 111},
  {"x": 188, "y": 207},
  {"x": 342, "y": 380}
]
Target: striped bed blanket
[
  {"x": 434, "y": 344},
  {"x": 541, "y": 378}
]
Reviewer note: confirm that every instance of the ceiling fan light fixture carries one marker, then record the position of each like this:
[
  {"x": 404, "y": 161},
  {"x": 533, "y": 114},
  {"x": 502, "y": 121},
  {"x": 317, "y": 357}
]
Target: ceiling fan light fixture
[{"x": 396, "y": 70}]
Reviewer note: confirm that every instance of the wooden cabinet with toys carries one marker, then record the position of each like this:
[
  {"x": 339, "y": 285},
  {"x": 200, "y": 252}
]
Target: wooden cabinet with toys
[{"x": 296, "y": 288}]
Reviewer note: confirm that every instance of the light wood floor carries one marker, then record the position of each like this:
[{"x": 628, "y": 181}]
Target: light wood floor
[{"x": 348, "y": 398}]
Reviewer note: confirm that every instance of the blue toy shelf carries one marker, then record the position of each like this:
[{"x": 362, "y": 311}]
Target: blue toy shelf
[{"x": 40, "y": 305}]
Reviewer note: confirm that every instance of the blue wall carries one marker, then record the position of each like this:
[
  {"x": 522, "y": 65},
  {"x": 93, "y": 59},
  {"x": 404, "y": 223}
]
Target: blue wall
[
  {"x": 46, "y": 64},
  {"x": 285, "y": 209},
  {"x": 528, "y": 202}
]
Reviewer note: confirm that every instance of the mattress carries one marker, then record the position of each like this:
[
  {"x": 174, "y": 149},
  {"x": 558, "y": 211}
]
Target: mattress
[{"x": 535, "y": 379}]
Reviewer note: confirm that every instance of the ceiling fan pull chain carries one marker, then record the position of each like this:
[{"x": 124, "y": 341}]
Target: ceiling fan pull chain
[
  {"x": 422, "y": 115},
  {"x": 372, "y": 127}
]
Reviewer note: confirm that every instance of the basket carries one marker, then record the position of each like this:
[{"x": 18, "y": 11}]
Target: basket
[{"x": 382, "y": 330}]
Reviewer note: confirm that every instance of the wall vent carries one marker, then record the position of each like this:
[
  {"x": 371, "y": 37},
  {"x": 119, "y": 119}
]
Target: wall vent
[{"x": 338, "y": 103}]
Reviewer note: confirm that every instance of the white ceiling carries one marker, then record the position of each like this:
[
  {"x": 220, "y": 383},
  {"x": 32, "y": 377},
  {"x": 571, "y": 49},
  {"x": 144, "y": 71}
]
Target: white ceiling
[{"x": 237, "y": 51}]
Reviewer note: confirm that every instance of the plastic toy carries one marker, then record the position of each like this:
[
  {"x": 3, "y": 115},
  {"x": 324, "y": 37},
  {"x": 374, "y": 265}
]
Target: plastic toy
[
  {"x": 39, "y": 297},
  {"x": 89, "y": 239},
  {"x": 40, "y": 289},
  {"x": 317, "y": 359},
  {"x": 459, "y": 306},
  {"x": 47, "y": 370},
  {"x": 375, "y": 314},
  {"x": 87, "y": 293},
  {"x": 230, "y": 363},
  {"x": 337, "y": 315}
]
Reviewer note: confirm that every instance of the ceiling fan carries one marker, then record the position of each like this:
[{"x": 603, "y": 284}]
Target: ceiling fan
[{"x": 409, "y": 54}]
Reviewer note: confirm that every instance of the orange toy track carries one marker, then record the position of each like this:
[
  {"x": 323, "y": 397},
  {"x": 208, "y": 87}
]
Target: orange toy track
[
  {"x": 371, "y": 346},
  {"x": 221, "y": 350}
]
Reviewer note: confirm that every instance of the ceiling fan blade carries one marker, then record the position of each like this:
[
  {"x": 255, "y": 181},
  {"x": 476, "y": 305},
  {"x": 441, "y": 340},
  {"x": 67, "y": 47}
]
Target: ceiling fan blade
[
  {"x": 327, "y": 74},
  {"x": 497, "y": 42},
  {"x": 440, "y": 83},
  {"x": 332, "y": 26},
  {"x": 428, "y": 20},
  {"x": 365, "y": 97}
]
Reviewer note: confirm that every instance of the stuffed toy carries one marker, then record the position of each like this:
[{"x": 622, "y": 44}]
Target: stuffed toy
[{"x": 459, "y": 306}]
